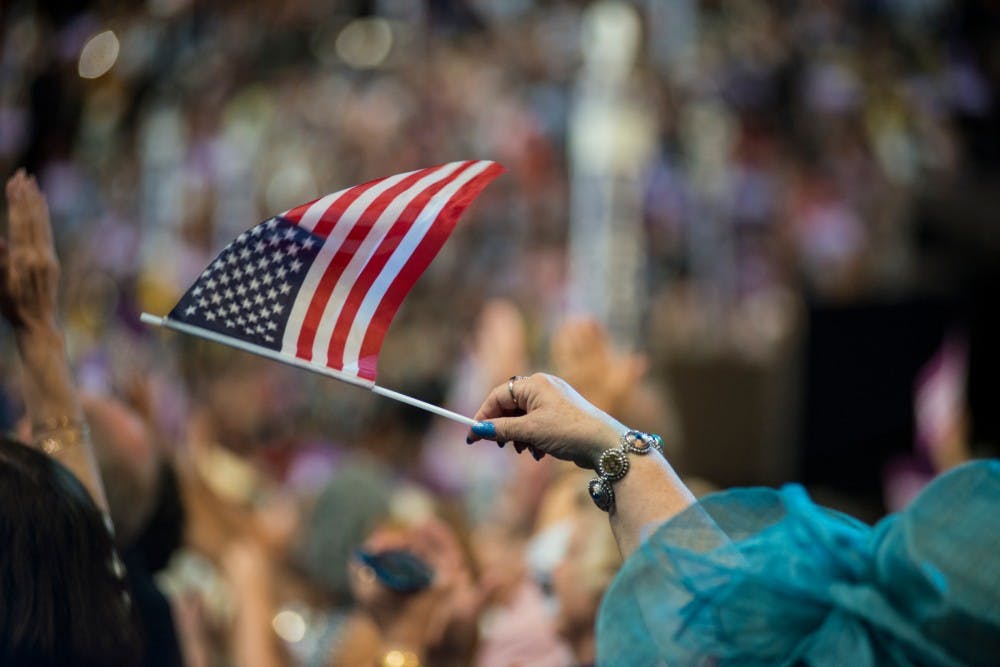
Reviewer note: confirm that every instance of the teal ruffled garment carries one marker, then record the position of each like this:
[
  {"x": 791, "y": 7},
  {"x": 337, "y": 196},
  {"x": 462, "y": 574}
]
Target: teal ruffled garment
[{"x": 765, "y": 577}]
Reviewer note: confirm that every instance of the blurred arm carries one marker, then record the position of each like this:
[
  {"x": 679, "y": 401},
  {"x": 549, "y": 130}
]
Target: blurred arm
[
  {"x": 254, "y": 643},
  {"x": 52, "y": 405},
  {"x": 29, "y": 278}
]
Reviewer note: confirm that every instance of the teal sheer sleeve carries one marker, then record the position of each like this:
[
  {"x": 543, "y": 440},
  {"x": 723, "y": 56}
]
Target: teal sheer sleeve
[{"x": 766, "y": 577}]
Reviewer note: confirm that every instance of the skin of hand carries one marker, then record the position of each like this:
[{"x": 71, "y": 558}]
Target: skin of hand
[
  {"x": 245, "y": 563},
  {"x": 553, "y": 419},
  {"x": 28, "y": 260},
  {"x": 582, "y": 354},
  {"x": 500, "y": 340}
]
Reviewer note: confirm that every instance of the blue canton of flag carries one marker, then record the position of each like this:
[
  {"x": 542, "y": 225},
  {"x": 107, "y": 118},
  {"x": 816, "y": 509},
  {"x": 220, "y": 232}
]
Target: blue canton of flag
[{"x": 248, "y": 291}]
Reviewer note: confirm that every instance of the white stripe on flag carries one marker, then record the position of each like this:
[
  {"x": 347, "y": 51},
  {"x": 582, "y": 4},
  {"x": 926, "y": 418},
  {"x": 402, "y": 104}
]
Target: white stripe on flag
[
  {"x": 349, "y": 276},
  {"x": 318, "y": 208},
  {"x": 398, "y": 260},
  {"x": 342, "y": 227}
]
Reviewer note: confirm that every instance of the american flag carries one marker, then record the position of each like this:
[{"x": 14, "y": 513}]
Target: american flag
[{"x": 321, "y": 282}]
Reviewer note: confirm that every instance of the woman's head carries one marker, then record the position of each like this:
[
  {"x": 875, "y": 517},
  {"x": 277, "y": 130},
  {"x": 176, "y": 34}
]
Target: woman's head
[
  {"x": 62, "y": 601},
  {"x": 353, "y": 503}
]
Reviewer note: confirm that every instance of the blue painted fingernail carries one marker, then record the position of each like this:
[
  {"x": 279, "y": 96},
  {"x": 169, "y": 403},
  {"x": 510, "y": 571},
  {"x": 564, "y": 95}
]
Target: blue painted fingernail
[
  {"x": 485, "y": 430},
  {"x": 468, "y": 440}
]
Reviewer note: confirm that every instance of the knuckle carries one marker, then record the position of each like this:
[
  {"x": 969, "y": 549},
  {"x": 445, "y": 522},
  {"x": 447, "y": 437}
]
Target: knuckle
[
  {"x": 24, "y": 256},
  {"x": 39, "y": 263}
]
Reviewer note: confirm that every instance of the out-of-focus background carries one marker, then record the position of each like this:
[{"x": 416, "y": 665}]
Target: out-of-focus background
[{"x": 767, "y": 230}]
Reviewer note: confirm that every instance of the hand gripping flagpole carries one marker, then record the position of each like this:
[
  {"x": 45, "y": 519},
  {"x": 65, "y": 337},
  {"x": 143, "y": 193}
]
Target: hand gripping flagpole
[{"x": 288, "y": 359}]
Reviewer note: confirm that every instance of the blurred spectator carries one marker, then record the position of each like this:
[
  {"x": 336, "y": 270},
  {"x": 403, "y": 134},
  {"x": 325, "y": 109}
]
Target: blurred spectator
[
  {"x": 797, "y": 157},
  {"x": 130, "y": 465}
]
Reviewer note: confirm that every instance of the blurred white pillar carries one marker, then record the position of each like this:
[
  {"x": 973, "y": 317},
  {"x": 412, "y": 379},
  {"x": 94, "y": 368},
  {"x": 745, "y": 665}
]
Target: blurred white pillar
[
  {"x": 611, "y": 141},
  {"x": 162, "y": 144},
  {"x": 708, "y": 132},
  {"x": 672, "y": 32}
]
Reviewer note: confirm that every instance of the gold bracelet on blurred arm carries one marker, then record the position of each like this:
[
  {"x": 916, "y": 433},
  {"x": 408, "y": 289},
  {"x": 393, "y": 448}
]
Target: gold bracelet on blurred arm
[{"x": 60, "y": 433}]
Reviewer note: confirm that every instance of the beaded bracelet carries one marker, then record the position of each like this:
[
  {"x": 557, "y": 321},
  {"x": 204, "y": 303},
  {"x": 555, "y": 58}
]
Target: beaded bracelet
[{"x": 613, "y": 464}]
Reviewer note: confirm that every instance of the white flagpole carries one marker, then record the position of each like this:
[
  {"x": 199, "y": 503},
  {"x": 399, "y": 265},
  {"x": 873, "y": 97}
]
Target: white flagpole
[
  {"x": 300, "y": 363},
  {"x": 423, "y": 405}
]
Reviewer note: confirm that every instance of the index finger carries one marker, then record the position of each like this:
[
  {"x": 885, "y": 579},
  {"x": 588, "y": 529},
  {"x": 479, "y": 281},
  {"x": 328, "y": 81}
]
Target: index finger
[
  {"x": 16, "y": 215},
  {"x": 499, "y": 403},
  {"x": 28, "y": 213},
  {"x": 39, "y": 225}
]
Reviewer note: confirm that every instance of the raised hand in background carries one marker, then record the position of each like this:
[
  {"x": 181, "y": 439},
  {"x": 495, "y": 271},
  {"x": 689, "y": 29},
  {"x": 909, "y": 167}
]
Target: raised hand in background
[
  {"x": 29, "y": 287},
  {"x": 583, "y": 354},
  {"x": 28, "y": 261}
]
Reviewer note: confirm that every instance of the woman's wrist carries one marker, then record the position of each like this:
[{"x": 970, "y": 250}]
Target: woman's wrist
[
  {"x": 609, "y": 438},
  {"x": 613, "y": 464},
  {"x": 50, "y": 392},
  {"x": 36, "y": 338}
]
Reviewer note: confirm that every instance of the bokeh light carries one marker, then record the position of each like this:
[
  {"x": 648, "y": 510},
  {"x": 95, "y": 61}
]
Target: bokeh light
[
  {"x": 365, "y": 43},
  {"x": 289, "y": 625},
  {"x": 98, "y": 55}
]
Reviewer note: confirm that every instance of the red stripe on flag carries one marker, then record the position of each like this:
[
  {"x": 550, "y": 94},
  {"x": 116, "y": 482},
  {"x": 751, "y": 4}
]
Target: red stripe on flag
[
  {"x": 295, "y": 215},
  {"x": 330, "y": 216},
  {"x": 354, "y": 238},
  {"x": 415, "y": 266},
  {"x": 327, "y": 222},
  {"x": 378, "y": 261}
]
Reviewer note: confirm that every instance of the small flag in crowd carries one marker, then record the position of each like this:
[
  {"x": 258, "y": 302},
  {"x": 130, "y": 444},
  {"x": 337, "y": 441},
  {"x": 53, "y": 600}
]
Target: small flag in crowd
[{"x": 319, "y": 284}]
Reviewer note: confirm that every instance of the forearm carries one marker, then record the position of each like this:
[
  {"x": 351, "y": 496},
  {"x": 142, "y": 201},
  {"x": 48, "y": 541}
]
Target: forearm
[
  {"x": 254, "y": 642},
  {"x": 51, "y": 400},
  {"x": 649, "y": 494}
]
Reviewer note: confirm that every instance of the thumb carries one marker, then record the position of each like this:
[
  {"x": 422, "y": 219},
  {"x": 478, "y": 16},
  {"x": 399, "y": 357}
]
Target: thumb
[{"x": 505, "y": 429}]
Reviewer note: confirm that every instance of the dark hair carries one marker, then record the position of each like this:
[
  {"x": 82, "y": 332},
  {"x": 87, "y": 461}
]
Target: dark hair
[
  {"x": 164, "y": 530},
  {"x": 61, "y": 602}
]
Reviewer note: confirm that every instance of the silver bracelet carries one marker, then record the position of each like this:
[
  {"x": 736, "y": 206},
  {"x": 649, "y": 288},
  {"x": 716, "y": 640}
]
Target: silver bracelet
[{"x": 613, "y": 464}]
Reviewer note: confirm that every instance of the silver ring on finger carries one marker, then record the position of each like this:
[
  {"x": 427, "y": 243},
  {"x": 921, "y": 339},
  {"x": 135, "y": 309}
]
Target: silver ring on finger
[{"x": 510, "y": 389}]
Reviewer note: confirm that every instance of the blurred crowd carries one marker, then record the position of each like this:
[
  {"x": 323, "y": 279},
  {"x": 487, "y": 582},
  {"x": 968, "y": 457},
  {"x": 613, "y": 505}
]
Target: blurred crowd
[{"x": 806, "y": 154}]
